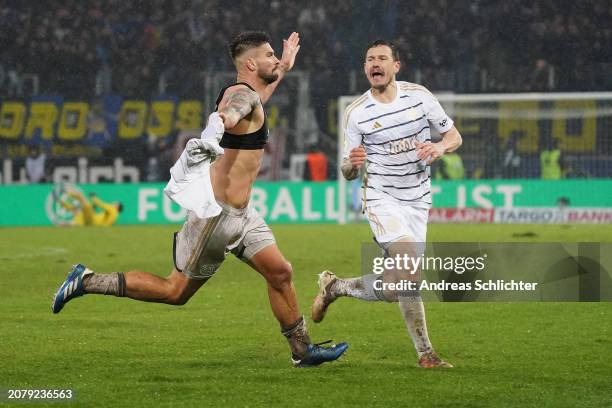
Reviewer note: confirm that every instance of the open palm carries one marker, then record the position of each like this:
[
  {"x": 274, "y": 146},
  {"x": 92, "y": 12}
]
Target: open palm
[{"x": 291, "y": 46}]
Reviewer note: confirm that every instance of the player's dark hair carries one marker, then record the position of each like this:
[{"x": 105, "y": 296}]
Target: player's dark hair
[
  {"x": 119, "y": 206},
  {"x": 247, "y": 40},
  {"x": 377, "y": 43}
]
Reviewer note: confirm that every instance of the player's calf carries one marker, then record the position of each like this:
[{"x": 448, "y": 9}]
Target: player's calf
[{"x": 177, "y": 289}]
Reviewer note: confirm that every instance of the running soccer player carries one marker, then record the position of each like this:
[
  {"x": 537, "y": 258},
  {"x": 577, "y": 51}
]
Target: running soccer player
[
  {"x": 202, "y": 244},
  {"x": 388, "y": 130}
]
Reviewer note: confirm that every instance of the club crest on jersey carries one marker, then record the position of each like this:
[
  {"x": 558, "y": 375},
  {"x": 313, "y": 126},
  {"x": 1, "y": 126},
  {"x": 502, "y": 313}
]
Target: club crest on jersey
[
  {"x": 412, "y": 114},
  {"x": 442, "y": 123}
]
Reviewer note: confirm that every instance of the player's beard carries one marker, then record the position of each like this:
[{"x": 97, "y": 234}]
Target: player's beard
[
  {"x": 268, "y": 77},
  {"x": 381, "y": 87}
]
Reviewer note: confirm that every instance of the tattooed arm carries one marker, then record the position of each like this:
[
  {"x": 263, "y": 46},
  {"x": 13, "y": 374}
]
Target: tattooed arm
[{"x": 237, "y": 103}]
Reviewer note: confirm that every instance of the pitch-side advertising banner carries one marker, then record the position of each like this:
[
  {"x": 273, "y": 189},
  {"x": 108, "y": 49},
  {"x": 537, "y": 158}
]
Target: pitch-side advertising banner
[
  {"x": 502, "y": 201},
  {"x": 146, "y": 203},
  {"x": 521, "y": 193}
]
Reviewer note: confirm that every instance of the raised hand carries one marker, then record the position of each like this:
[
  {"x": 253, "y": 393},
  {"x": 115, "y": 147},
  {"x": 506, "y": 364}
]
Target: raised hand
[{"x": 291, "y": 46}]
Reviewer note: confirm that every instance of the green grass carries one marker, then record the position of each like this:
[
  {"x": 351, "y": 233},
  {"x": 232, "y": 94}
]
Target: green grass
[{"x": 224, "y": 347}]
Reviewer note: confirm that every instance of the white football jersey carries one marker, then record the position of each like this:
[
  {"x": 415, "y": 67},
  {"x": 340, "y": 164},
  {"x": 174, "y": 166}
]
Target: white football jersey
[{"x": 389, "y": 132}]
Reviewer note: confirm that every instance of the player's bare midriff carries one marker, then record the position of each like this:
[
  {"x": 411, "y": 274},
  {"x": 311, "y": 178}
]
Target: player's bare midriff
[{"x": 233, "y": 175}]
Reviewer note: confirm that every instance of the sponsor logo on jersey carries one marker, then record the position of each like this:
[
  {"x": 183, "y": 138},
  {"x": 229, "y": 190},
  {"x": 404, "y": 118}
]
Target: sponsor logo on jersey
[{"x": 399, "y": 146}]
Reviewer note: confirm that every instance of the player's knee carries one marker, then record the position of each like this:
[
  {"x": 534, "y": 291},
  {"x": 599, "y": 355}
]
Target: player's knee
[
  {"x": 177, "y": 297},
  {"x": 177, "y": 300},
  {"x": 281, "y": 275}
]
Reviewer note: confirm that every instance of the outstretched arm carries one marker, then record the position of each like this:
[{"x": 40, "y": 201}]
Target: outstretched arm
[
  {"x": 291, "y": 47},
  {"x": 237, "y": 103}
]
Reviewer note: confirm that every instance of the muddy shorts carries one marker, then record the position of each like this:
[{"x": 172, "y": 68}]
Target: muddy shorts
[{"x": 202, "y": 244}]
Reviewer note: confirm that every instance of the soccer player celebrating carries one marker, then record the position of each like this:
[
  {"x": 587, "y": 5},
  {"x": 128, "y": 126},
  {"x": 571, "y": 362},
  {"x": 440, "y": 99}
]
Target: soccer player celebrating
[
  {"x": 202, "y": 243},
  {"x": 388, "y": 130}
]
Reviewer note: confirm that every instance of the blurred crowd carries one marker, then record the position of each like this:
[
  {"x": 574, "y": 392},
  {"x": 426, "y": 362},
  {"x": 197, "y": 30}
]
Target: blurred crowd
[
  {"x": 508, "y": 38},
  {"x": 80, "y": 49},
  {"x": 86, "y": 47}
]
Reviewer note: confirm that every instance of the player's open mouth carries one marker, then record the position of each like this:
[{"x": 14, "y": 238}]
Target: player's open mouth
[{"x": 377, "y": 74}]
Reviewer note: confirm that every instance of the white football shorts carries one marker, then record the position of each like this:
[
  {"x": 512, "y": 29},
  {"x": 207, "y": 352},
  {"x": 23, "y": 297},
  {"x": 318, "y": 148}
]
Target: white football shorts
[{"x": 391, "y": 221}]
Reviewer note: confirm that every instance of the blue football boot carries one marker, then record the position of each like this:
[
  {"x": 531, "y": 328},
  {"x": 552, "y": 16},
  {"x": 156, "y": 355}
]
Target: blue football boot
[
  {"x": 71, "y": 288},
  {"x": 316, "y": 354}
]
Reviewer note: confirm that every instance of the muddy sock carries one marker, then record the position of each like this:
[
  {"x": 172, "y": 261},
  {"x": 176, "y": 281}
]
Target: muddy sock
[
  {"x": 360, "y": 288},
  {"x": 414, "y": 315},
  {"x": 105, "y": 284},
  {"x": 297, "y": 336}
]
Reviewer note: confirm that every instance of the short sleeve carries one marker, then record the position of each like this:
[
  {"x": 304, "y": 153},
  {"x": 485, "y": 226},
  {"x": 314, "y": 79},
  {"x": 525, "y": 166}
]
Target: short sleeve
[
  {"x": 351, "y": 134},
  {"x": 435, "y": 114}
]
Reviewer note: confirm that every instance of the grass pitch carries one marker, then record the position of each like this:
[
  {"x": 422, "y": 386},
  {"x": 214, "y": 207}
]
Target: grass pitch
[{"x": 224, "y": 347}]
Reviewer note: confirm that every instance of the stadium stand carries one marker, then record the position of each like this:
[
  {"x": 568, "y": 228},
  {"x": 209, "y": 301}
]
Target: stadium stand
[{"x": 86, "y": 49}]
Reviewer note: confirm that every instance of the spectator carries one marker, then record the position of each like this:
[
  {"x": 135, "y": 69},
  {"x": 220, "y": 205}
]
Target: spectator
[
  {"x": 35, "y": 165},
  {"x": 450, "y": 167},
  {"x": 511, "y": 164},
  {"x": 316, "y": 165},
  {"x": 571, "y": 170},
  {"x": 76, "y": 39},
  {"x": 160, "y": 159},
  {"x": 550, "y": 161},
  {"x": 540, "y": 79}
]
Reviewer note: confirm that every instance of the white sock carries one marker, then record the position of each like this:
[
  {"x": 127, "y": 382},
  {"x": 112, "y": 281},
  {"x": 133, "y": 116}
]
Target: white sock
[{"x": 414, "y": 315}]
